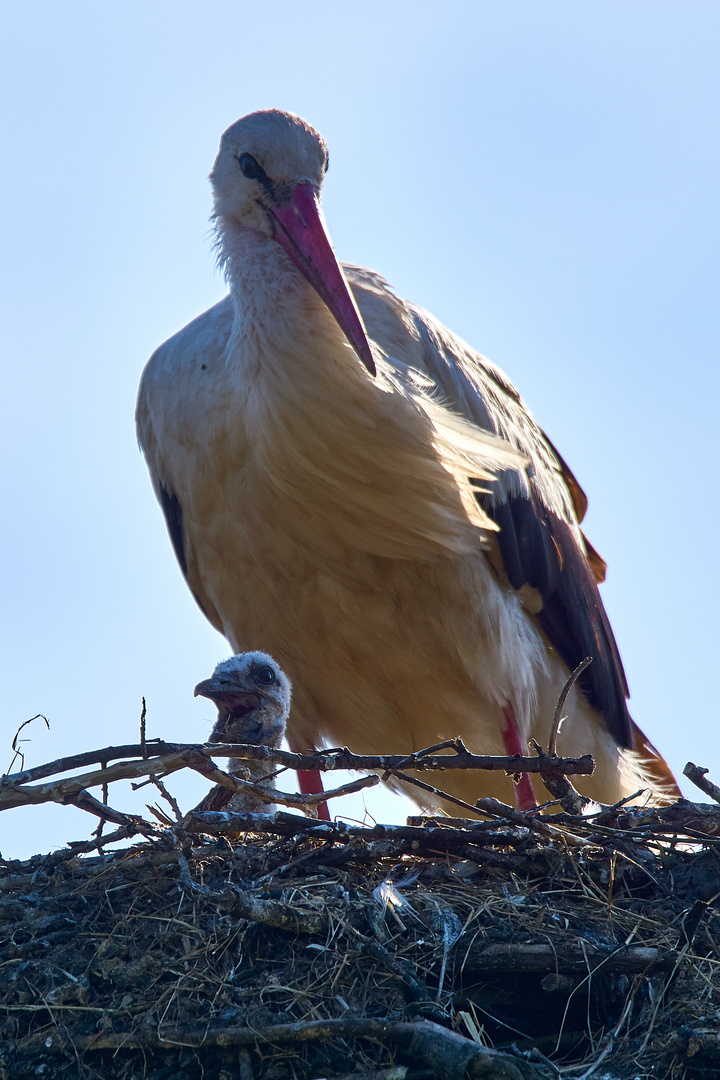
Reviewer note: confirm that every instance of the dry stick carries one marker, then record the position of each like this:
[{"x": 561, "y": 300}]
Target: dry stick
[
  {"x": 63, "y": 791},
  {"x": 13, "y": 791},
  {"x": 91, "y": 757},
  {"x": 445, "y": 1052},
  {"x": 684, "y": 817},
  {"x": 697, "y": 775},
  {"x": 498, "y": 809},
  {"x": 101, "y": 823},
  {"x": 136, "y": 827},
  {"x": 540, "y": 825},
  {"x": 557, "y": 783},
  {"x": 85, "y": 801},
  {"x": 559, "y": 786},
  {"x": 168, "y": 798},
  {"x": 221, "y": 823},
  {"x": 435, "y": 791},
  {"x": 557, "y": 718},
  {"x": 160, "y": 815},
  {"x": 448, "y": 744},
  {"x": 320, "y": 761},
  {"x": 143, "y": 718},
  {"x": 233, "y": 783},
  {"x": 17, "y": 752},
  {"x": 632, "y": 959}
]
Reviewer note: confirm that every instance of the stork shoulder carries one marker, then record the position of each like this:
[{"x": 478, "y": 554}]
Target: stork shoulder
[
  {"x": 172, "y": 375},
  {"x": 202, "y": 341}
]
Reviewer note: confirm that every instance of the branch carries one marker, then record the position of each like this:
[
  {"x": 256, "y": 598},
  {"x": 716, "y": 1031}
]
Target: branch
[
  {"x": 558, "y": 784},
  {"x": 501, "y": 956},
  {"x": 436, "y": 836},
  {"x": 327, "y": 761},
  {"x": 232, "y": 785},
  {"x": 63, "y": 791},
  {"x": 697, "y": 775},
  {"x": 85, "y": 801},
  {"x": 446, "y": 1053},
  {"x": 68, "y": 790}
]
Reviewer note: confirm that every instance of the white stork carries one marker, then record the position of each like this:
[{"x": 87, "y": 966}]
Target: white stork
[
  {"x": 252, "y": 694},
  {"x": 371, "y": 500}
]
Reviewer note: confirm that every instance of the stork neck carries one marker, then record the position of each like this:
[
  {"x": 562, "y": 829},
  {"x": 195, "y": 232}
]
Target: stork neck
[{"x": 282, "y": 327}]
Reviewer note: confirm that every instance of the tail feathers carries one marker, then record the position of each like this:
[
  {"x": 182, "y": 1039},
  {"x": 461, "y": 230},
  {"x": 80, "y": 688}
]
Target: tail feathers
[{"x": 652, "y": 768}]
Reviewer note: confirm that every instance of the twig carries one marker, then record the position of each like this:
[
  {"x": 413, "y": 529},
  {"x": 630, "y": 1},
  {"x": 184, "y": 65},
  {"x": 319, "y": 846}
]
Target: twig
[
  {"x": 272, "y": 795},
  {"x": 528, "y": 819},
  {"x": 552, "y": 742},
  {"x": 697, "y": 775},
  {"x": 159, "y": 814},
  {"x": 14, "y": 746},
  {"x": 433, "y": 790},
  {"x": 101, "y": 823},
  {"x": 167, "y": 796},
  {"x": 143, "y": 718},
  {"x": 448, "y": 744},
  {"x": 83, "y": 847},
  {"x": 681, "y": 817},
  {"x": 85, "y": 801}
]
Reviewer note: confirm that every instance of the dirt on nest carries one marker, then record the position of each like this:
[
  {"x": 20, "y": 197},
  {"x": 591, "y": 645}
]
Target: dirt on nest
[{"x": 498, "y": 951}]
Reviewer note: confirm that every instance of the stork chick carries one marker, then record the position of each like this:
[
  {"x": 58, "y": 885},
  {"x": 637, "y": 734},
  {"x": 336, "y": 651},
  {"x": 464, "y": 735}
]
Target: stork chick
[{"x": 252, "y": 694}]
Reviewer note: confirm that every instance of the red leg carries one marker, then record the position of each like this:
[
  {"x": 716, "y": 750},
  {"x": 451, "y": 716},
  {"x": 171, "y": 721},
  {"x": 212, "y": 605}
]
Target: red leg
[
  {"x": 311, "y": 784},
  {"x": 524, "y": 794}
]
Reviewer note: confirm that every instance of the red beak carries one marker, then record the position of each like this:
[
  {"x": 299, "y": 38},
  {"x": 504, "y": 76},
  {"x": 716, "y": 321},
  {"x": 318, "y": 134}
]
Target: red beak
[{"x": 300, "y": 231}]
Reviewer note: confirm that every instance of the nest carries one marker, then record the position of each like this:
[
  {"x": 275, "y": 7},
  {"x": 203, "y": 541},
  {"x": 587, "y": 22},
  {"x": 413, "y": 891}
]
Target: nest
[{"x": 264, "y": 948}]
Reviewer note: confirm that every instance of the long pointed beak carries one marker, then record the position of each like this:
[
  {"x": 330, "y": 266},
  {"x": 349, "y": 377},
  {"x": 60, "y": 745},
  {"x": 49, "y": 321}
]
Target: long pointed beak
[{"x": 300, "y": 231}]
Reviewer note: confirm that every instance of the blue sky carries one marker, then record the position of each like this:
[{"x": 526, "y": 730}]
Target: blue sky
[{"x": 542, "y": 176}]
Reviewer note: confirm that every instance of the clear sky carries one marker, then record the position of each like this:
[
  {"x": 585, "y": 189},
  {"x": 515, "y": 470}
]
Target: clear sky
[{"x": 540, "y": 174}]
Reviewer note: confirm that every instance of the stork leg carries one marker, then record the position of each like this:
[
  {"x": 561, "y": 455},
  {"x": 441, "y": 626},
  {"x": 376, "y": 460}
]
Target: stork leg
[
  {"x": 524, "y": 794},
  {"x": 310, "y": 780}
]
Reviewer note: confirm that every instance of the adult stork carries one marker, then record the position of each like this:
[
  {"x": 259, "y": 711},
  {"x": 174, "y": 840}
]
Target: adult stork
[{"x": 364, "y": 496}]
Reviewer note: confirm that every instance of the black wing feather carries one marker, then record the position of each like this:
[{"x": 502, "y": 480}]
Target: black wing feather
[
  {"x": 541, "y": 550},
  {"x": 174, "y": 518}
]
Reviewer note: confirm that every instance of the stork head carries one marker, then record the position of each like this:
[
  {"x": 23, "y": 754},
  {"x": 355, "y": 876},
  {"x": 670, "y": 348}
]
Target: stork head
[
  {"x": 267, "y": 178},
  {"x": 252, "y": 695},
  {"x": 261, "y": 160}
]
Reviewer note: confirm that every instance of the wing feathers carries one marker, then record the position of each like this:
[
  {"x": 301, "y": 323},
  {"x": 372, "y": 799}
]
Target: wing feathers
[
  {"x": 537, "y": 510},
  {"x": 174, "y": 518}
]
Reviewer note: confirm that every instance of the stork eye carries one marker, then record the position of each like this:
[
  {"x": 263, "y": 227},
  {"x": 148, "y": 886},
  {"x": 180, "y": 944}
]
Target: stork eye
[
  {"x": 264, "y": 675},
  {"x": 250, "y": 168}
]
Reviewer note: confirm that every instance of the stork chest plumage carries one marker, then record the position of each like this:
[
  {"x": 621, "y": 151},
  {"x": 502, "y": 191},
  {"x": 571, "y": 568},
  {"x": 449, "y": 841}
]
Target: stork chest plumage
[
  {"x": 375, "y": 519},
  {"x": 326, "y": 529}
]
